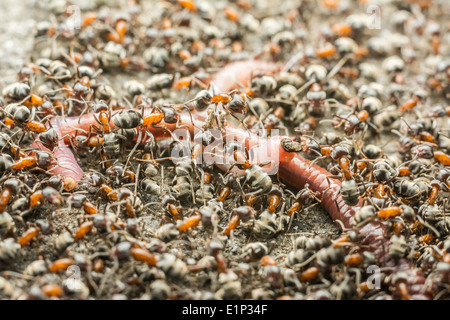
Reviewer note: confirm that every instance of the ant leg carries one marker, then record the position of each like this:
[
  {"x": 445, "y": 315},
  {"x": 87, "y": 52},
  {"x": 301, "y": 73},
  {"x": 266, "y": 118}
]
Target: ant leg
[
  {"x": 243, "y": 124},
  {"x": 186, "y": 125},
  {"x": 21, "y": 138},
  {"x": 338, "y": 66},
  {"x": 316, "y": 160},
  {"x": 138, "y": 141}
]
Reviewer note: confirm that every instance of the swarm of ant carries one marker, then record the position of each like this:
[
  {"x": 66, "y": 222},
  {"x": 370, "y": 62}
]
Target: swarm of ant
[{"x": 93, "y": 204}]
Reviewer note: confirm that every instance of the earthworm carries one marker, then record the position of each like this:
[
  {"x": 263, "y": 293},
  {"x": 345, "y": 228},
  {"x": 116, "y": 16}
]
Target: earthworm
[
  {"x": 294, "y": 170},
  {"x": 67, "y": 166},
  {"x": 225, "y": 80},
  {"x": 374, "y": 239},
  {"x": 239, "y": 72},
  {"x": 64, "y": 156},
  {"x": 298, "y": 172}
]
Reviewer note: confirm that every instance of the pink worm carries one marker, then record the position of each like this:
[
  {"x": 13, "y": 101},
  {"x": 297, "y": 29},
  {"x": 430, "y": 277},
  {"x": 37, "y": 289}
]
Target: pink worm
[
  {"x": 294, "y": 169},
  {"x": 228, "y": 78},
  {"x": 225, "y": 80},
  {"x": 68, "y": 165},
  {"x": 298, "y": 172}
]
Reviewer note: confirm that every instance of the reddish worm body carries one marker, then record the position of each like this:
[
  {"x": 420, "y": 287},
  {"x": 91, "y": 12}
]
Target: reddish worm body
[
  {"x": 293, "y": 169},
  {"x": 239, "y": 72}
]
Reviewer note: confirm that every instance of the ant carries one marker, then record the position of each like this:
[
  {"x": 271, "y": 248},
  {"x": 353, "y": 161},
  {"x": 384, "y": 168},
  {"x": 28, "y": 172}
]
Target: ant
[
  {"x": 232, "y": 102},
  {"x": 341, "y": 154}
]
